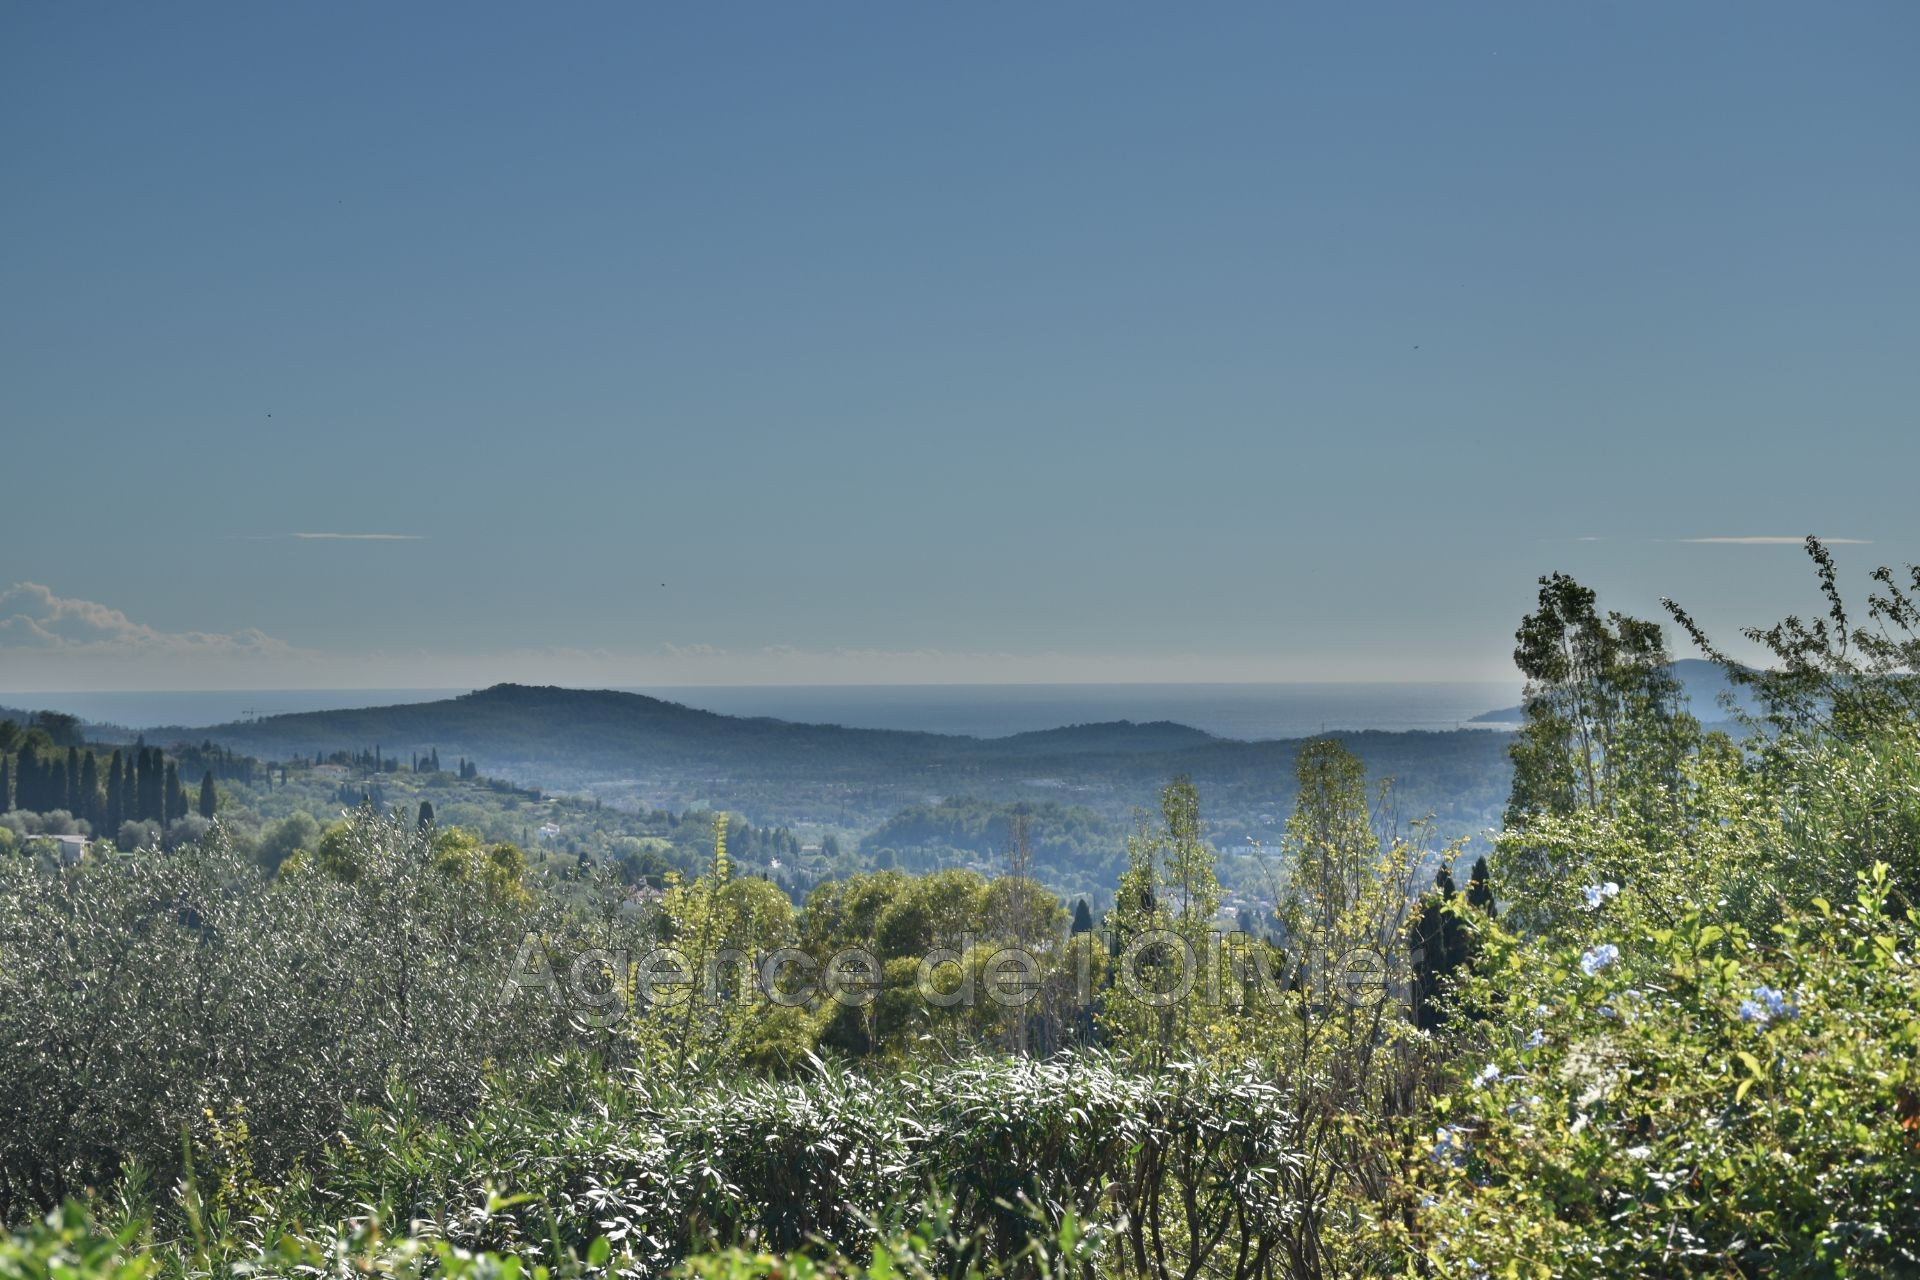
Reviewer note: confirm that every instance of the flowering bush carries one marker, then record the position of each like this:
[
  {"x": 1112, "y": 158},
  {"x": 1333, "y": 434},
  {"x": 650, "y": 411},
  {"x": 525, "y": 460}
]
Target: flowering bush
[{"x": 1692, "y": 1100}]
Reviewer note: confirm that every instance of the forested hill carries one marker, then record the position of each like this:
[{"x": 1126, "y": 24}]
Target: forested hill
[
  {"x": 511, "y": 725},
  {"x": 630, "y": 748}
]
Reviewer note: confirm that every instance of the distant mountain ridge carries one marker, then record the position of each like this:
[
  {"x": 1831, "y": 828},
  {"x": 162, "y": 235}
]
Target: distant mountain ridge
[
  {"x": 471, "y": 722},
  {"x": 634, "y": 749}
]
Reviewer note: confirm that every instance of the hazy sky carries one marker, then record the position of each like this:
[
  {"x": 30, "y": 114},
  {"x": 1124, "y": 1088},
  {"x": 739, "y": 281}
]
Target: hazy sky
[{"x": 838, "y": 341}]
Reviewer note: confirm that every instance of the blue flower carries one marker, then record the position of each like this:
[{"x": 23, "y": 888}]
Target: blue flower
[
  {"x": 1751, "y": 1011},
  {"x": 1449, "y": 1146},
  {"x": 1488, "y": 1075},
  {"x": 1597, "y": 894},
  {"x": 1597, "y": 958},
  {"x": 1776, "y": 1001},
  {"x": 1536, "y": 1039}
]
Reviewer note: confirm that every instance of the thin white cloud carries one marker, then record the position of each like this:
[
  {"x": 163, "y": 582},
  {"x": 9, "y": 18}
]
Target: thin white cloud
[
  {"x": 1779, "y": 540},
  {"x": 361, "y": 537},
  {"x": 33, "y": 618}
]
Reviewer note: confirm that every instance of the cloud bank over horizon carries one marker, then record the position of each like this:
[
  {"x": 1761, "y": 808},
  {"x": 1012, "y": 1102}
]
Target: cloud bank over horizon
[{"x": 34, "y": 619}]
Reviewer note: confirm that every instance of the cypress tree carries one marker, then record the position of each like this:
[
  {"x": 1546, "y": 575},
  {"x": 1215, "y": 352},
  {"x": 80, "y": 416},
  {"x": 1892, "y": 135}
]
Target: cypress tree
[
  {"x": 1082, "y": 917},
  {"x": 1436, "y": 945},
  {"x": 59, "y": 795},
  {"x": 111, "y": 811},
  {"x": 426, "y": 815},
  {"x": 153, "y": 778},
  {"x": 175, "y": 804},
  {"x": 209, "y": 799},
  {"x": 89, "y": 789},
  {"x": 1479, "y": 890}
]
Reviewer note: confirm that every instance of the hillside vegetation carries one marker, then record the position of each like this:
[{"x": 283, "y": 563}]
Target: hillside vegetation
[
  {"x": 632, "y": 750},
  {"x": 1669, "y": 1027}
]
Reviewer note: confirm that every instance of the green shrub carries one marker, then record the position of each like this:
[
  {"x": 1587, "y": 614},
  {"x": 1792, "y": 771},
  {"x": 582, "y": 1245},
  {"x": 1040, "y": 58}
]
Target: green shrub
[
  {"x": 1690, "y": 1100},
  {"x": 150, "y": 994}
]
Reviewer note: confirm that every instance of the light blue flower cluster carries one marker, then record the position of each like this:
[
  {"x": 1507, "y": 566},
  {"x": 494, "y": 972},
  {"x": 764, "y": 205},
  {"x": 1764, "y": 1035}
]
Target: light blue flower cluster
[
  {"x": 1449, "y": 1146},
  {"x": 1597, "y": 894},
  {"x": 1594, "y": 959},
  {"x": 1766, "y": 1004},
  {"x": 1489, "y": 1074}
]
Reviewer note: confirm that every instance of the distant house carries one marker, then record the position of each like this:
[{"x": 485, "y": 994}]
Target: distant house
[
  {"x": 644, "y": 897},
  {"x": 70, "y": 848}
]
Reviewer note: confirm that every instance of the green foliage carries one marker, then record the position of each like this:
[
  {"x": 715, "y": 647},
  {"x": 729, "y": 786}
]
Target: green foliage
[
  {"x": 1643, "y": 1040},
  {"x": 139, "y": 991},
  {"x": 1835, "y": 676},
  {"x": 1331, "y": 843},
  {"x": 1690, "y": 1100},
  {"x": 1164, "y": 913},
  {"x": 1606, "y": 745},
  {"x": 67, "y": 1245}
]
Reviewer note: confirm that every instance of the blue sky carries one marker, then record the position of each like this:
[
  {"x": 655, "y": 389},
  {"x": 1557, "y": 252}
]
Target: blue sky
[{"x": 910, "y": 342}]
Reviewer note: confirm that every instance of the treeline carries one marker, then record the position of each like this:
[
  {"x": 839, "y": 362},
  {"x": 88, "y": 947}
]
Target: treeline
[
  {"x": 138, "y": 784},
  {"x": 378, "y": 761}
]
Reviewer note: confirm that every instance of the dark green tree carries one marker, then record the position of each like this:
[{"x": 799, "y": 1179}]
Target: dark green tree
[
  {"x": 89, "y": 807},
  {"x": 1480, "y": 890},
  {"x": 1082, "y": 917},
  {"x": 114, "y": 810},
  {"x": 1438, "y": 946},
  {"x": 174, "y": 804},
  {"x": 209, "y": 799},
  {"x": 57, "y": 794}
]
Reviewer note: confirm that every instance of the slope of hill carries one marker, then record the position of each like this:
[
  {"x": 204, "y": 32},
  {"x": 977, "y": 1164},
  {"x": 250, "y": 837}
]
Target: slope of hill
[
  {"x": 590, "y": 730},
  {"x": 630, "y": 749}
]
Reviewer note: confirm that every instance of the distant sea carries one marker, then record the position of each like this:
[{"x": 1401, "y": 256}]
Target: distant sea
[{"x": 1247, "y": 711}]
